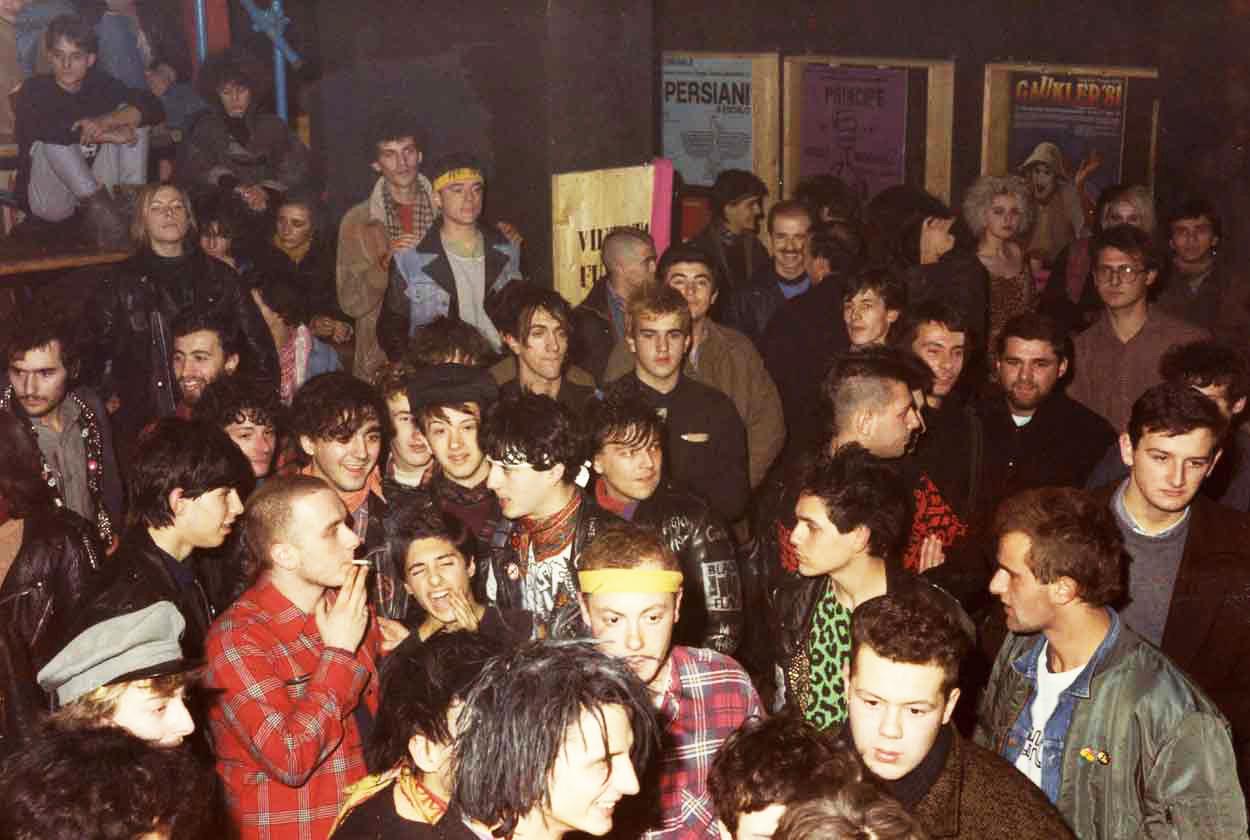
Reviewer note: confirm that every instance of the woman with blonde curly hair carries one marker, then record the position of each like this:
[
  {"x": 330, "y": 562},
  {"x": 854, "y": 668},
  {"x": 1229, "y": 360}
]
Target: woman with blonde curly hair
[{"x": 999, "y": 210}]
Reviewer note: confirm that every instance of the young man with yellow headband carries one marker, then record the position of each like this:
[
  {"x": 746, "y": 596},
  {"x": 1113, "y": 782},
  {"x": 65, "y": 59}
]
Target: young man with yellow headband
[
  {"x": 459, "y": 268},
  {"x": 631, "y": 599}
]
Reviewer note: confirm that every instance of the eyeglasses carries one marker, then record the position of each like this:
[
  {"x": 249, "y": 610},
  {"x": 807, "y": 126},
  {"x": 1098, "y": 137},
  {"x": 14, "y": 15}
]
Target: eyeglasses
[{"x": 1121, "y": 273}]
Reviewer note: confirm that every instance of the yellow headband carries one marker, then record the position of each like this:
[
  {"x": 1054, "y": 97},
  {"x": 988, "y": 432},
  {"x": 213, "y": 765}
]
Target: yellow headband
[
  {"x": 466, "y": 173},
  {"x": 629, "y": 580}
]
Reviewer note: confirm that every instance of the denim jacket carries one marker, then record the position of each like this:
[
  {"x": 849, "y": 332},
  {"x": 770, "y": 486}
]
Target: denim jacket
[{"x": 1056, "y": 730}]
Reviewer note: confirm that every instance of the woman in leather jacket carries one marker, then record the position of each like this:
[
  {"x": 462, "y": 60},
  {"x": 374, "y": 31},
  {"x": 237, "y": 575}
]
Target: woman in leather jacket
[
  {"x": 130, "y": 318},
  {"x": 50, "y": 566}
]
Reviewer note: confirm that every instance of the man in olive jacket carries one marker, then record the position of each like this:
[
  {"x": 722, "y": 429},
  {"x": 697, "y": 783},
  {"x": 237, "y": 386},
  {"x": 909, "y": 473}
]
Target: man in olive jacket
[{"x": 1114, "y": 734}]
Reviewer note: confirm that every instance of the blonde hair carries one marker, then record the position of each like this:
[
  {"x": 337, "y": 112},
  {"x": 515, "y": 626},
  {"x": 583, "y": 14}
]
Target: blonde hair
[
  {"x": 139, "y": 224},
  {"x": 985, "y": 189},
  {"x": 97, "y": 707}
]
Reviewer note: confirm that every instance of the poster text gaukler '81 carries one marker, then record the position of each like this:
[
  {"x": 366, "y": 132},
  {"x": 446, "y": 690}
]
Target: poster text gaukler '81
[
  {"x": 706, "y": 116},
  {"x": 1083, "y": 115}
]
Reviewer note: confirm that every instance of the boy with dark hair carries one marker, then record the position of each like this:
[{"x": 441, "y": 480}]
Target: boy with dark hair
[
  {"x": 852, "y": 516},
  {"x": 731, "y": 238},
  {"x": 396, "y": 216},
  {"x": 293, "y": 666},
  {"x": 1118, "y": 356},
  {"x": 537, "y": 326},
  {"x": 409, "y": 463},
  {"x": 448, "y": 341},
  {"x": 79, "y": 133},
  {"x": 536, "y": 453},
  {"x": 768, "y": 765},
  {"x": 631, "y": 587},
  {"x": 459, "y": 269},
  {"x": 340, "y": 425},
  {"x": 99, "y": 784},
  {"x": 1200, "y": 285},
  {"x": 1114, "y": 733},
  {"x": 423, "y": 686},
  {"x": 67, "y": 421},
  {"x": 902, "y": 682},
  {"x": 186, "y": 490},
  {"x": 873, "y": 300},
  {"x": 550, "y": 739},
  {"x": 249, "y": 412},
  {"x": 706, "y": 439},
  {"x": 627, "y": 456},
  {"x": 207, "y": 345}
]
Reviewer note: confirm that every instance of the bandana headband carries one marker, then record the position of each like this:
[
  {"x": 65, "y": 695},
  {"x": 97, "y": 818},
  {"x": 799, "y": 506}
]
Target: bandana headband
[
  {"x": 465, "y": 173},
  {"x": 629, "y": 580}
]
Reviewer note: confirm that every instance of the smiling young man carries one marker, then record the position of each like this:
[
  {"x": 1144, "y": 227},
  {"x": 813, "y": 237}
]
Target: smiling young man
[
  {"x": 206, "y": 347},
  {"x": 79, "y": 133},
  {"x": 459, "y": 269},
  {"x": 536, "y": 451},
  {"x": 186, "y": 488},
  {"x": 293, "y": 665},
  {"x": 902, "y": 686},
  {"x": 1112, "y": 731},
  {"x": 631, "y": 587},
  {"x": 627, "y": 455},
  {"x": 68, "y": 422},
  {"x": 752, "y": 306},
  {"x": 706, "y": 439},
  {"x": 1118, "y": 356},
  {"x": 551, "y": 738}
]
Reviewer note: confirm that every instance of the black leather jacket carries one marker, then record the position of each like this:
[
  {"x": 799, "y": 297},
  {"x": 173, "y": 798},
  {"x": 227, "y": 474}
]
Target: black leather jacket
[
  {"x": 591, "y": 519},
  {"x": 129, "y": 323},
  {"x": 56, "y": 571},
  {"x": 711, "y": 604}
]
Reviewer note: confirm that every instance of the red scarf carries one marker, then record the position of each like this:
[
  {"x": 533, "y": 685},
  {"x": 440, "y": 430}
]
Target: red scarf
[{"x": 549, "y": 536}]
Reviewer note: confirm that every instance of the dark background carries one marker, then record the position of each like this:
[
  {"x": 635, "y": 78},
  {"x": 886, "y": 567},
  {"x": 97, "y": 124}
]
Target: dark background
[{"x": 569, "y": 84}]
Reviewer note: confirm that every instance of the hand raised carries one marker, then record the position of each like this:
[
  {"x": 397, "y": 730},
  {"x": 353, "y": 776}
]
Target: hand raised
[{"x": 343, "y": 617}]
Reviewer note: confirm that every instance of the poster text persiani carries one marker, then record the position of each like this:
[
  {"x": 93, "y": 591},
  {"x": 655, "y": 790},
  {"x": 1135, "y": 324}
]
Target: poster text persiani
[{"x": 1088, "y": 93}]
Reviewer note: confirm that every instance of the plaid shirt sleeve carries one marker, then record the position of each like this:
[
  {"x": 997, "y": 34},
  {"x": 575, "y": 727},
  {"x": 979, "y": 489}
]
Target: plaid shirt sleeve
[
  {"x": 710, "y": 698},
  {"x": 288, "y": 726}
]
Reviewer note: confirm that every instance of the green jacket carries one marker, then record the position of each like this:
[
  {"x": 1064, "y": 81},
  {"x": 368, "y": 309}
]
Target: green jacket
[{"x": 1146, "y": 754}]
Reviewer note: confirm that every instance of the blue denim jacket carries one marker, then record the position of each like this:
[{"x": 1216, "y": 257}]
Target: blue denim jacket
[{"x": 1056, "y": 730}]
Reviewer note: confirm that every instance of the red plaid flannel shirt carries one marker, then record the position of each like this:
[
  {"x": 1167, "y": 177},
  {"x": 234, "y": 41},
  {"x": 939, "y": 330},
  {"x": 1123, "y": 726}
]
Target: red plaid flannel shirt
[
  {"x": 283, "y": 728},
  {"x": 708, "y": 697}
]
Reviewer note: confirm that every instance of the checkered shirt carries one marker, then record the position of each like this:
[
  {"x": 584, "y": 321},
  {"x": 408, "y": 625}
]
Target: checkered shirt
[
  {"x": 283, "y": 728},
  {"x": 708, "y": 697}
]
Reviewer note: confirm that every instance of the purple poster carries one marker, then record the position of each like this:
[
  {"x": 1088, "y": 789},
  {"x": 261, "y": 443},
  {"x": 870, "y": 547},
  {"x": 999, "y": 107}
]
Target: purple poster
[{"x": 854, "y": 125}]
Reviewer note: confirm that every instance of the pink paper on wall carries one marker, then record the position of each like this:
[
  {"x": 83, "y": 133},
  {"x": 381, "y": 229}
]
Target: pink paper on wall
[{"x": 662, "y": 204}]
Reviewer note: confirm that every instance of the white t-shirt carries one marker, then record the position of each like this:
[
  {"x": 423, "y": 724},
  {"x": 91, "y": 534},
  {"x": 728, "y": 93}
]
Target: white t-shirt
[
  {"x": 1049, "y": 687},
  {"x": 470, "y": 274}
]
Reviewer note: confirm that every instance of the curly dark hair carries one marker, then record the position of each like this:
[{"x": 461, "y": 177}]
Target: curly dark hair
[
  {"x": 685, "y": 252},
  {"x": 447, "y": 341},
  {"x": 914, "y": 626},
  {"x": 105, "y": 784},
  {"x": 540, "y": 430},
  {"x": 859, "y": 489},
  {"x": 1071, "y": 534},
  {"x": 420, "y": 681},
  {"x": 1207, "y": 363},
  {"x": 232, "y": 66},
  {"x": 214, "y": 319},
  {"x": 240, "y": 399},
  {"x": 390, "y": 125},
  {"x": 517, "y": 717},
  {"x": 777, "y": 761},
  {"x": 37, "y": 328},
  {"x": 1173, "y": 408},
  {"x": 332, "y": 406},
  {"x": 193, "y": 456}
]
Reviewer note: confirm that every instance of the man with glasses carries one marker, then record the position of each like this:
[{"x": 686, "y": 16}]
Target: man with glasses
[{"x": 1117, "y": 358}]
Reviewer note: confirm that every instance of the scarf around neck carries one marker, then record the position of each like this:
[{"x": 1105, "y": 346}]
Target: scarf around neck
[{"x": 547, "y": 536}]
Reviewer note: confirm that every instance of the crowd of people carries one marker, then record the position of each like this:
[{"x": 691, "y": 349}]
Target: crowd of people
[{"x": 886, "y": 521}]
